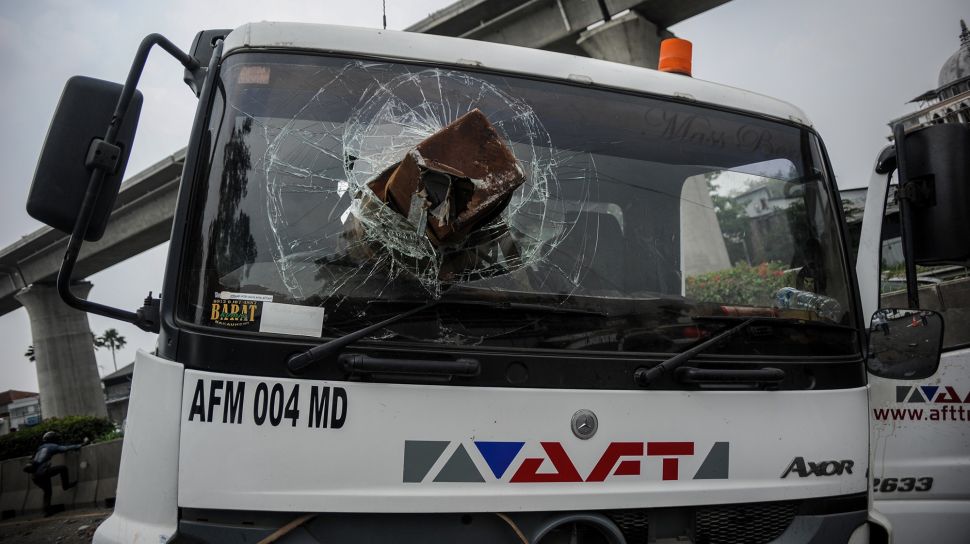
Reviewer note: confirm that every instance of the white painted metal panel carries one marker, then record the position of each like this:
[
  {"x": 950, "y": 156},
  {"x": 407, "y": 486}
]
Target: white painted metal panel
[
  {"x": 360, "y": 467},
  {"x": 146, "y": 508}
]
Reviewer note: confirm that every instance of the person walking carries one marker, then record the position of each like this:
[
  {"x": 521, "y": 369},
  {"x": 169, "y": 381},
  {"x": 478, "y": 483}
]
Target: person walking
[{"x": 44, "y": 471}]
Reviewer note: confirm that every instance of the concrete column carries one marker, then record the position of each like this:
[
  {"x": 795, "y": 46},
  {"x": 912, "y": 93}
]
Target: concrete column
[
  {"x": 67, "y": 372},
  {"x": 629, "y": 39},
  {"x": 702, "y": 243}
]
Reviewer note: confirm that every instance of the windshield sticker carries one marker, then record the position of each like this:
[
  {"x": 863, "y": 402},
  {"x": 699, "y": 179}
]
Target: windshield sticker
[
  {"x": 264, "y": 316},
  {"x": 656, "y": 460},
  {"x": 291, "y": 319},
  {"x": 235, "y": 313},
  {"x": 227, "y": 295}
]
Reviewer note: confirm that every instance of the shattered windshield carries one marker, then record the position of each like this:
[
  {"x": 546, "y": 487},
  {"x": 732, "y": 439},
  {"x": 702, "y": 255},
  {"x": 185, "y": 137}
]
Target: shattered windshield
[{"x": 542, "y": 215}]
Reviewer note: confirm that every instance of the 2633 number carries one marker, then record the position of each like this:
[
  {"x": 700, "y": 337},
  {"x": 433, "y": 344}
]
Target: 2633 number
[{"x": 902, "y": 485}]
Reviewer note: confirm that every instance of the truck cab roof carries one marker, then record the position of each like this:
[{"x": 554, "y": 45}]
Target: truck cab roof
[{"x": 409, "y": 46}]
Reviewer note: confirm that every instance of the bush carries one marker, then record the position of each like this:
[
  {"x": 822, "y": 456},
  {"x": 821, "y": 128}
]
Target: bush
[
  {"x": 744, "y": 285},
  {"x": 71, "y": 430}
]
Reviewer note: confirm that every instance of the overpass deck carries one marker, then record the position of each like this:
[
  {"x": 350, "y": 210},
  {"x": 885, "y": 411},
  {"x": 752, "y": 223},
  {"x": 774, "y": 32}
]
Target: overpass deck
[{"x": 141, "y": 220}]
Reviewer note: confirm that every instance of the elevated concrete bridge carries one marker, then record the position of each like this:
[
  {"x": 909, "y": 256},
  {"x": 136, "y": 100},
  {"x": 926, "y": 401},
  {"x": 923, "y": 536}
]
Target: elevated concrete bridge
[
  {"x": 627, "y": 31},
  {"x": 630, "y": 33},
  {"x": 67, "y": 372}
]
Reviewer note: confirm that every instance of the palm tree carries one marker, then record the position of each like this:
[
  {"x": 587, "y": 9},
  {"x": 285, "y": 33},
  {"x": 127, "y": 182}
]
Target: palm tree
[
  {"x": 32, "y": 356},
  {"x": 111, "y": 340}
]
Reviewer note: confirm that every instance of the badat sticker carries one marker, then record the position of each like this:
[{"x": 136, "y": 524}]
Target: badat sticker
[
  {"x": 236, "y": 313},
  {"x": 251, "y": 312}
]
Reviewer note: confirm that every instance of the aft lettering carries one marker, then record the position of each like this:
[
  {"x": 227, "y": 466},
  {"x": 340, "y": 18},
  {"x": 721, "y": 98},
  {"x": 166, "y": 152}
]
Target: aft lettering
[{"x": 612, "y": 455}]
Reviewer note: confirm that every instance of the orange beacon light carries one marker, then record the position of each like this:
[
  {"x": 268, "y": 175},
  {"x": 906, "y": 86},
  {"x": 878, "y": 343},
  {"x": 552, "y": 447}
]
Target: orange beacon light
[{"x": 675, "y": 56}]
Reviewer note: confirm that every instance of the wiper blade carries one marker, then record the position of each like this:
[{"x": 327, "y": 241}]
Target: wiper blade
[
  {"x": 646, "y": 376},
  {"x": 776, "y": 321},
  {"x": 511, "y": 305},
  {"x": 326, "y": 350},
  {"x": 299, "y": 361}
]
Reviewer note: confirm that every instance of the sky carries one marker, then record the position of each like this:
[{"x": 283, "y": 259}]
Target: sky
[{"x": 851, "y": 65}]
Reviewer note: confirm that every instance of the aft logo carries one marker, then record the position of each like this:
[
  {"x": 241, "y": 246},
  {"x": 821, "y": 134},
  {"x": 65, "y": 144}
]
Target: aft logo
[
  {"x": 936, "y": 394},
  {"x": 823, "y": 468},
  {"x": 555, "y": 464}
]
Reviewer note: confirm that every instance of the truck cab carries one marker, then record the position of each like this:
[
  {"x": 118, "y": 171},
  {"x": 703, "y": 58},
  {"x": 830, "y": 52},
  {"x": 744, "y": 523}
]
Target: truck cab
[
  {"x": 921, "y": 450},
  {"x": 430, "y": 289}
]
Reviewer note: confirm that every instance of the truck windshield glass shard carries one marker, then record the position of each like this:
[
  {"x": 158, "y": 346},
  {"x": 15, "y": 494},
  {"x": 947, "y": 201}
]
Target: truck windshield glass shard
[{"x": 337, "y": 187}]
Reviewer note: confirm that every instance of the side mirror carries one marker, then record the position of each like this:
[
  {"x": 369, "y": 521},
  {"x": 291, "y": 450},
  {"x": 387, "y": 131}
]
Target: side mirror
[
  {"x": 937, "y": 184},
  {"x": 904, "y": 344},
  {"x": 63, "y": 172}
]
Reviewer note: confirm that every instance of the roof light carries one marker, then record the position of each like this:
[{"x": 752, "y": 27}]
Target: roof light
[{"x": 675, "y": 56}]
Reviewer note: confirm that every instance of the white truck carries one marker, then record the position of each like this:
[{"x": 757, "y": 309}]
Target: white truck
[
  {"x": 424, "y": 289},
  {"x": 920, "y": 431}
]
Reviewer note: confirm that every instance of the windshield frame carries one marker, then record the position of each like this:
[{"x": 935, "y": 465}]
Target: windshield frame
[{"x": 196, "y": 178}]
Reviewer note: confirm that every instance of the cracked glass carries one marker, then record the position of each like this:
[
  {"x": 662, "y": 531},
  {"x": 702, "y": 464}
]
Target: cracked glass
[{"x": 633, "y": 215}]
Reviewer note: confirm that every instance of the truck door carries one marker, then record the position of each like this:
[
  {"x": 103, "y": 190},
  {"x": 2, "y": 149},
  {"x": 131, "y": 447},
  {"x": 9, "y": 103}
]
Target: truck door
[{"x": 920, "y": 430}]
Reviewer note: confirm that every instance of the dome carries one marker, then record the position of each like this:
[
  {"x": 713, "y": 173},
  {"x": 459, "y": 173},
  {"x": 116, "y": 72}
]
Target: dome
[{"x": 958, "y": 65}]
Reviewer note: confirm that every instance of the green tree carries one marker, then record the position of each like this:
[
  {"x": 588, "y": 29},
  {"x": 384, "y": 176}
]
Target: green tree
[
  {"x": 735, "y": 227},
  {"x": 32, "y": 356},
  {"x": 111, "y": 340}
]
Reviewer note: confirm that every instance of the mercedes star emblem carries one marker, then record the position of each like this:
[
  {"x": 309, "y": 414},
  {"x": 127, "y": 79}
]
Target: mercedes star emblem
[{"x": 584, "y": 424}]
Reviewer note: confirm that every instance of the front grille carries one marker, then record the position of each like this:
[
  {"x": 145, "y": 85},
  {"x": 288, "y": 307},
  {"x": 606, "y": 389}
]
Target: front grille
[
  {"x": 755, "y": 523},
  {"x": 632, "y": 523}
]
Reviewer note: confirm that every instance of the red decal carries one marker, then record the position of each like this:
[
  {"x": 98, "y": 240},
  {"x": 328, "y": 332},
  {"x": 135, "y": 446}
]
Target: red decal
[
  {"x": 611, "y": 456},
  {"x": 628, "y": 468},
  {"x": 666, "y": 449},
  {"x": 565, "y": 470},
  {"x": 950, "y": 396}
]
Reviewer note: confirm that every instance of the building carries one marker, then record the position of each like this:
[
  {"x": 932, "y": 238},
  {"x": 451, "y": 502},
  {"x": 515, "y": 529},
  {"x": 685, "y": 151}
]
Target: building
[
  {"x": 18, "y": 409},
  {"x": 950, "y": 101},
  {"x": 117, "y": 388}
]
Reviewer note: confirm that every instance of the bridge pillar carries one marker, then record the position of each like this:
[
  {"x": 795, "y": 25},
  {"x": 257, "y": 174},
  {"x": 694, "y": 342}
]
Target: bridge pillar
[
  {"x": 67, "y": 372},
  {"x": 629, "y": 39}
]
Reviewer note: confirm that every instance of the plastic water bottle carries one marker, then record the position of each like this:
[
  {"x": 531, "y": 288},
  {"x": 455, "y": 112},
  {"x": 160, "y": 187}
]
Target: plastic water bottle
[{"x": 789, "y": 298}]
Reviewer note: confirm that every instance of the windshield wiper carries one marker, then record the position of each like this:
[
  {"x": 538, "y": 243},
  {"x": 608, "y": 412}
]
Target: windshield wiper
[
  {"x": 327, "y": 350},
  {"x": 646, "y": 376}
]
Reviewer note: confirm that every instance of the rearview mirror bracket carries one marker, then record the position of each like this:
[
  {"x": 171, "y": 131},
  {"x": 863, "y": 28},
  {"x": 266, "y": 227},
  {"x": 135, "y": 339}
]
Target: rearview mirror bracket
[
  {"x": 100, "y": 162},
  {"x": 905, "y": 216}
]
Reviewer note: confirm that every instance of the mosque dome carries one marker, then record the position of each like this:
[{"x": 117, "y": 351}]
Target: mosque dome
[{"x": 958, "y": 65}]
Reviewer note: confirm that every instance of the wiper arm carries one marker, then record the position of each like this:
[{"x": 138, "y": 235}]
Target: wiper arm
[
  {"x": 326, "y": 350},
  {"x": 646, "y": 376},
  {"x": 299, "y": 361}
]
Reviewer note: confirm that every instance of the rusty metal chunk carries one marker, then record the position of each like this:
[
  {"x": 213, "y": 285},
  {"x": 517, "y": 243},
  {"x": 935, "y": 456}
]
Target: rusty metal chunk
[{"x": 463, "y": 176}]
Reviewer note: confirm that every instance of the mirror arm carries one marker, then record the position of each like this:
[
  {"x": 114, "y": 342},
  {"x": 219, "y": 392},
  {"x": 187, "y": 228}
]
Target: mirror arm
[
  {"x": 147, "y": 317},
  {"x": 905, "y": 216}
]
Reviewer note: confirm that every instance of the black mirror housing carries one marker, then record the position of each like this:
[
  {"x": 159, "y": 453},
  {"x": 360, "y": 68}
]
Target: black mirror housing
[
  {"x": 61, "y": 178},
  {"x": 904, "y": 344},
  {"x": 938, "y": 186},
  {"x": 202, "y": 47}
]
